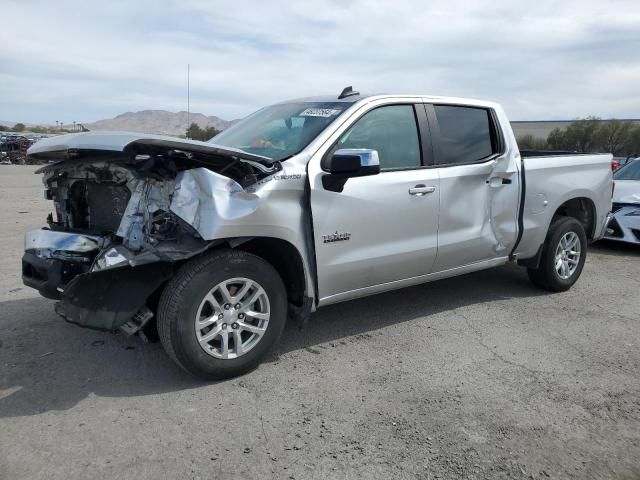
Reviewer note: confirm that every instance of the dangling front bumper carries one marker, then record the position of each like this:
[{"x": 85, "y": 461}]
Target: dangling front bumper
[{"x": 59, "y": 266}]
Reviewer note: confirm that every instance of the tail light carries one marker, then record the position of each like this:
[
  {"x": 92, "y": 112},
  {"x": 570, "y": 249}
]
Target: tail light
[{"x": 615, "y": 165}]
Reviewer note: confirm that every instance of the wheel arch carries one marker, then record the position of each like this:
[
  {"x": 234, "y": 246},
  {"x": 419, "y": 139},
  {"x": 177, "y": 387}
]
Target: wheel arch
[
  {"x": 577, "y": 206},
  {"x": 582, "y": 209},
  {"x": 281, "y": 254},
  {"x": 285, "y": 258}
]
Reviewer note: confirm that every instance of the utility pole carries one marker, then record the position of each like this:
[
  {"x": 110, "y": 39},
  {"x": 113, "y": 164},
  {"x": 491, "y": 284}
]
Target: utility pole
[{"x": 188, "y": 99}]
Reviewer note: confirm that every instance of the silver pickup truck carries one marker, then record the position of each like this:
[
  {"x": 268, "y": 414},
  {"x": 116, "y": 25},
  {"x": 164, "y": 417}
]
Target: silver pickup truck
[{"x": 213, "y": 245}]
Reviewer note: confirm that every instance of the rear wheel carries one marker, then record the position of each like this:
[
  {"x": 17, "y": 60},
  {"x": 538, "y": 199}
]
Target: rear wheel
[
  {"x": 221, "y": 314},
  {"x": 563, "y": 256}
]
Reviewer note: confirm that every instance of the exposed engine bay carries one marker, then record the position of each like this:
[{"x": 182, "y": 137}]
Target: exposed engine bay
[{"x": 142, "y": 208}]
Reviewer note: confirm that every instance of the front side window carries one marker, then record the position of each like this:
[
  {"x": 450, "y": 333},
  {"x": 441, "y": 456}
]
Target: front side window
[
  {"x": 392, "y": 131},
  {"x": 281, "y": 131},
  {"x": 465, "y": 134}
]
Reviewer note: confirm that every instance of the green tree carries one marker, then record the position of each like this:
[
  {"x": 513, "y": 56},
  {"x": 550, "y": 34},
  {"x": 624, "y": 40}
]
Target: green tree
[
  {"x": 579, "y": 136},
  {"x": 4, "y": 128},
  {"x": 39, "y": 129},
  {"x": 19, "y": 127},
  {"x": 582, "y": 134},
  {"x": 558, "y": 140},
  {"x": 613, "y": 136},
  {"x": 529, "y": 142},
  {"x": 195, "y": 132}
]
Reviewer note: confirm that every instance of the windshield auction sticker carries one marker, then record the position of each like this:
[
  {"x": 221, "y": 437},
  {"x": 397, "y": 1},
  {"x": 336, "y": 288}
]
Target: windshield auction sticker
[{"x": 319, "y": 112}]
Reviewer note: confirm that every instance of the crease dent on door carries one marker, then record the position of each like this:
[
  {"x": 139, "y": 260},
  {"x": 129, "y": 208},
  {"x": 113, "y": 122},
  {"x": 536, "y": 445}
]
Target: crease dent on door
[
  {"x": 500, "y": 214},
  {"x": 478, "y": 184}
]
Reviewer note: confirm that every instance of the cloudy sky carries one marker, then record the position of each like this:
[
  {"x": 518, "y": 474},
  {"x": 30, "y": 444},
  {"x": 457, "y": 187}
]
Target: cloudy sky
[{"x": 86, "y": 60}]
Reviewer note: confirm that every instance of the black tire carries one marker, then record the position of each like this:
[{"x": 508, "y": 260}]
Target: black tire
[
  {"x": 546, "y": 275},
  {"x": 181, "y": 299}
]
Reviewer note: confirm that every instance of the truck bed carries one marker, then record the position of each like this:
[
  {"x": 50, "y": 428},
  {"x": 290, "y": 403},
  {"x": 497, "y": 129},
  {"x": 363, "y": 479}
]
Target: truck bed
[
  {"x": 549, "y": 153},
  {"x": 553, "y": 178}
]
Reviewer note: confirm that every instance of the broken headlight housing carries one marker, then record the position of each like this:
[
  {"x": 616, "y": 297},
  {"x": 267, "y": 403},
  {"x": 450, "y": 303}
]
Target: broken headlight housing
[{"x": 113, "y": 257}]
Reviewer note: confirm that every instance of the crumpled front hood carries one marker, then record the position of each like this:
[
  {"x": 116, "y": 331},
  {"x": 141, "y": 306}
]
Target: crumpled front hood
[
  {"x": 72, "y": 146},
  {"x": 627, "y": 191}
]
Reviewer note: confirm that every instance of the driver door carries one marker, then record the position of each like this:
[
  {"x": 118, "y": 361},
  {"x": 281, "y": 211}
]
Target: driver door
[{"x": 381, "y": 228}]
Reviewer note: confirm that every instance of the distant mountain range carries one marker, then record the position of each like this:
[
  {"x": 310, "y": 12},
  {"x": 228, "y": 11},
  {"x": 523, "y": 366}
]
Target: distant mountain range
[
  {"x": 159, "y": 121},
  {"x": 175, "y": 123}
]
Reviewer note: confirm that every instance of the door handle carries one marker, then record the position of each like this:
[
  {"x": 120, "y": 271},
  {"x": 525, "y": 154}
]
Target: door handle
[
  {"x": 498, "y": 181},
  {"x": 421, "y": 190}
]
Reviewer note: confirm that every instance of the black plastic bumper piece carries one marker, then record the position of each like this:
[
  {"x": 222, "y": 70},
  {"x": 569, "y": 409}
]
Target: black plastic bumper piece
[
  {"x": 107, "y": 299},
  {"x": 46, "y": 275}
]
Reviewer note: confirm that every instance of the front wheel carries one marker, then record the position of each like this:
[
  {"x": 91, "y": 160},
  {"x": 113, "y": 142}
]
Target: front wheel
[
  {"x": 221, "y": 313},
  {"x": 563, "y": 256}
]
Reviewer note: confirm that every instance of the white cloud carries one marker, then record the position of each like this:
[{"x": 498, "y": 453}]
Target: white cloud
[{"x": 80, "y": 60}]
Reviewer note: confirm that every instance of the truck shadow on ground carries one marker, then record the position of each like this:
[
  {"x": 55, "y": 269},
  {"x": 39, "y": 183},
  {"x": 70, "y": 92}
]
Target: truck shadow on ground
[
  {"x": 50, "y": 365},
  {"x": 615, "y": 249}
]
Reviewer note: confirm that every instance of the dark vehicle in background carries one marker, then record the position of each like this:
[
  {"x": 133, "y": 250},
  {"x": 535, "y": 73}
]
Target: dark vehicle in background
[{"x": 13, "y": 148}]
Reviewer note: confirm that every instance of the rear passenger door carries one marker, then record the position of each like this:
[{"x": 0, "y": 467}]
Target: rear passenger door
[{"x": 479, "y": 187}]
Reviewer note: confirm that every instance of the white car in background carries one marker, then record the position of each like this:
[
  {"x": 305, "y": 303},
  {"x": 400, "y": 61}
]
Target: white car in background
[{"x": 625, "y": 224}]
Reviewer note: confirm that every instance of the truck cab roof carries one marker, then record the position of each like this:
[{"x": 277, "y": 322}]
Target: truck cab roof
[{"x": 365, "y": 98}]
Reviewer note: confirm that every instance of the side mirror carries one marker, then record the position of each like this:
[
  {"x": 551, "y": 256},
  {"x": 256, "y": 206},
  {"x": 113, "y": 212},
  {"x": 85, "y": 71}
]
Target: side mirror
[{"x": 347, "y": 163}]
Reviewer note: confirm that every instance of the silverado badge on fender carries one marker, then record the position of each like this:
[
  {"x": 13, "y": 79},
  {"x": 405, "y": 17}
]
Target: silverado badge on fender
[{"x": 336, "y": 237}]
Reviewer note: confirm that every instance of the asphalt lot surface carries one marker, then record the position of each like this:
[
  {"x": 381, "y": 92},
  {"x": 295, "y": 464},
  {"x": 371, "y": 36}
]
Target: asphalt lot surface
[{"x": 481, "y": 376}]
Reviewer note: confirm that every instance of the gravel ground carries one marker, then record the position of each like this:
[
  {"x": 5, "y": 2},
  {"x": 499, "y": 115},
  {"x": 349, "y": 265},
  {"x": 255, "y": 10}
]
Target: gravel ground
[{"x": 480, "y": 376}]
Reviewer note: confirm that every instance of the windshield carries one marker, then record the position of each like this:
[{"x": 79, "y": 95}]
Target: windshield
[
  {"x": 631, "y": 171},
  {"x": 281, "y": 131}
]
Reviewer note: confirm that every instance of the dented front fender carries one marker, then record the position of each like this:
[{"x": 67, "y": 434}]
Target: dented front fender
[{"x": 207, "y": 200}]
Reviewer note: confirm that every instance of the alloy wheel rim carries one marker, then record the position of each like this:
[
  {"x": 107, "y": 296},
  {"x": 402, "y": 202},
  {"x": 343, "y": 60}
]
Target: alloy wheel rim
[
  {"x": 232, "y": 318},
  {"x": 567, "y": 255}
]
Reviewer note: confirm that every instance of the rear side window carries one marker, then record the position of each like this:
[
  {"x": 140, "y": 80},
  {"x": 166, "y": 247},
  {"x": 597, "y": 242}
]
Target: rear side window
[
  {"x": 392, "y": 131},
  {"x": 466, "y": 134},
  {"x": 631, "y": 171}
]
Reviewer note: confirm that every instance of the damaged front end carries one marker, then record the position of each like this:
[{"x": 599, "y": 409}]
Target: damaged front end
[{"x": 128, "y": 209}]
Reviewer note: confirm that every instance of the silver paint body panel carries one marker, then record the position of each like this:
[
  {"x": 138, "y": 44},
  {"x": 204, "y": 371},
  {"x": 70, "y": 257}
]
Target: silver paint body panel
[
  {"x": 477, "y": 213},
  {"x": 468, "y": 221},
  {"x": 551, "y": 181}
]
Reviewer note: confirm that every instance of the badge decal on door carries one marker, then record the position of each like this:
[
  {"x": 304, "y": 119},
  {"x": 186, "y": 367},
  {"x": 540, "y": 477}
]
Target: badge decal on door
[{"x": 336, "y": 237}]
